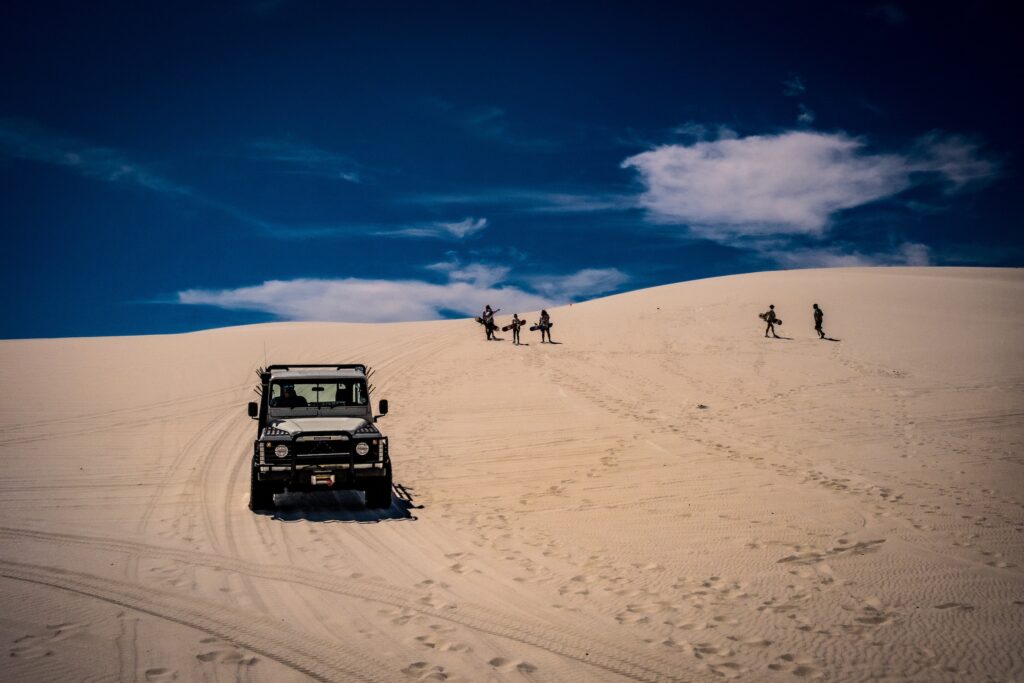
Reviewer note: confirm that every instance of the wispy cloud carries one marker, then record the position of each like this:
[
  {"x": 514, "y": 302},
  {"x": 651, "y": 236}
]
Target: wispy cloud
[
  {"x": 793, "y": 86},
  {"x": 806, "y": 116},
  {"x": 533, "y": 201},
  {"x": 458, "y": 230},
  {"x": 21, "y": 139},
  {"x": 907, "y": 254},
  {"x": 583, "y": 283},
  {"x": 468, "y": 289},
  {"x": 487, "y": 121},
  {"x": 477, "y": 274},
  {"x": 790, "y": 183},
  {"x": 299, "y": 158}
]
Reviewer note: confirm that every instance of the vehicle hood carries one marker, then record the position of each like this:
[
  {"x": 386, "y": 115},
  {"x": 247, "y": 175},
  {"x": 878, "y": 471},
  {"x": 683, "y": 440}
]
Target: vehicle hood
[{"x": 300, "y": 425}]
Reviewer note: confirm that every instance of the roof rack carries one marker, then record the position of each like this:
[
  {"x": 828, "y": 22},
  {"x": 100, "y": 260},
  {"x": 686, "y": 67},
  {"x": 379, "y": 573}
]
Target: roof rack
[{"x": 342, "y": 366}]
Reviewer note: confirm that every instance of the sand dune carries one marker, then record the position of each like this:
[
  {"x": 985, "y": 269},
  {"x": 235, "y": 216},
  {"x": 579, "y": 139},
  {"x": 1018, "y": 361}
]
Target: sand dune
[{"x": 665, "y": 495}]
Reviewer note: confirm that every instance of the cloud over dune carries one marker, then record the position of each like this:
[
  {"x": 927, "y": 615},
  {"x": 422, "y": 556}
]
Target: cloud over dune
[
  {"x": 790, "y": 183},
  {"x": 468, "y": 289}
]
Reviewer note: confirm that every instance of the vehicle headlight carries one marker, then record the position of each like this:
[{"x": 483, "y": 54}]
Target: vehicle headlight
[
  {"x": 281, "y": 451},
  {"x": 362, "y": 448}
]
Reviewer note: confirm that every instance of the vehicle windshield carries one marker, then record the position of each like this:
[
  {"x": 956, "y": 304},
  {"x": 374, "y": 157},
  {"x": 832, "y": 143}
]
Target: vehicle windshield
[{"x": 332, "y": 393}]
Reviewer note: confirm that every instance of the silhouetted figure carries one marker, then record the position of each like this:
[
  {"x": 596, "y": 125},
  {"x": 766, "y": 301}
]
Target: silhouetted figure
[
  {"x": 819, "y": 316},
  {"x": 770, "y": 318},
  {"x": 488, "y": 317},
  {"x": 545, "y": 326},
  {"x": 289, "y": 399},
  {"x": 516, "y": 324}
]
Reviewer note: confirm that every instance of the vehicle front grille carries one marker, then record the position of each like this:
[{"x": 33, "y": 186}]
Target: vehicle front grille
[{"x": 310, "y": 448}]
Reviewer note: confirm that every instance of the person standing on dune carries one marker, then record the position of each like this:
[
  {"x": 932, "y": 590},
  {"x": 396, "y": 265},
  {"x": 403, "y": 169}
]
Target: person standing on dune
[
  {"x": 488, "y": 317},
  {"x": 771, "y": 319},
  {"x": 516, "y": 324},
  {"x": 545, "y": 326},
  {"x": 819, "y": 316}
]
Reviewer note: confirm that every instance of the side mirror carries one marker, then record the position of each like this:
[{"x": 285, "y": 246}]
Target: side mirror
[
  {"x": 382, "y": 409},
  {"x": 254, "y": 410}
]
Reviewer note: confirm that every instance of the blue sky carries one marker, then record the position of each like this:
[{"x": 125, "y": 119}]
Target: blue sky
[{"x": 168, "y": 167}]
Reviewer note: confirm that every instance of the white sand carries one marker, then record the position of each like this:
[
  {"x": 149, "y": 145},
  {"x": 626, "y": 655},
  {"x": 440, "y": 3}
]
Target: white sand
[{"x": 847, "y": 510}]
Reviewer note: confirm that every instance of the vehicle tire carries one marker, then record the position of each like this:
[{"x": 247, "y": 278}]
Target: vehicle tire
[
  {"x": 378, "y": 494},
  {"x": 261, "y": 496}
]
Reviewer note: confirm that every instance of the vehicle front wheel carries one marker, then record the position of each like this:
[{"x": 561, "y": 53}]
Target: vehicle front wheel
[
  {"x": 261, "y": 496},
  {"x": 378, "y": 494}
]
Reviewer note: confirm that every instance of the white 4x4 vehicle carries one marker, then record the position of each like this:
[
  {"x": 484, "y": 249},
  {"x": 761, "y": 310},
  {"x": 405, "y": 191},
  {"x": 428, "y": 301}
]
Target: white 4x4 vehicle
[{"x": 317, "y": 432}]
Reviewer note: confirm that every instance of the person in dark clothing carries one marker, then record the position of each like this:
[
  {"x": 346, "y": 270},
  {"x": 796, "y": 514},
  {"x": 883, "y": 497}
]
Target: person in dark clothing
[
  {"x": 516, "y": 324},
  {"x": 488, "y": 317},
  {"x": 770, "y": 318},
  {"x": 289, "y": 399},
  {"x": 819, "y": 316},
  {"x": 545, "y": 326}
]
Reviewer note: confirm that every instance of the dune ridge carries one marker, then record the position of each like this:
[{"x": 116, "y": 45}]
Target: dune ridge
[{"x": 664, "y": 495}]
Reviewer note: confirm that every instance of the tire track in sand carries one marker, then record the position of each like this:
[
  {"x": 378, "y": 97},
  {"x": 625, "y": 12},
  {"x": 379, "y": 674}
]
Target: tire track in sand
[
  {"x": 308, "y": 654},
  {"x": 572, "y": 643}
]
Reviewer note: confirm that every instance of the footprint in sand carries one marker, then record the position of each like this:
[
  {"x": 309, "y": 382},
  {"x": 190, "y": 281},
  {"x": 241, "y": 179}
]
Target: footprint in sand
[
  {"x": 226, "y": 653},
  {"x": 509, "y": 665},
  {"x": 160, "y": 674},
  {"x": 422, "y": 671},
  {"x": 440, "y": 644},
  {"x": 802, "y": 667},
  {"x": 35, "y": 645}
]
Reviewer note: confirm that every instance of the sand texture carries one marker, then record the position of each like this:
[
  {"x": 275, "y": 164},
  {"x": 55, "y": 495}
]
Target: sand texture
[{"x": 665, "y": 495}]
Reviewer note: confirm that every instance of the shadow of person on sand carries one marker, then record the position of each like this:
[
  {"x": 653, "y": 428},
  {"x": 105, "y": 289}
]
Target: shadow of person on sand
[
  {"x": 781, "y": 337},
  {"x": 342, "y": 506},
  {"x": 830, "y": 339}
]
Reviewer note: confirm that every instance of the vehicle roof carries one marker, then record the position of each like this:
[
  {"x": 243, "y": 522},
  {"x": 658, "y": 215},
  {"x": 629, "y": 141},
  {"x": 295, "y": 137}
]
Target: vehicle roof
[{"x": 317, "y": 373}]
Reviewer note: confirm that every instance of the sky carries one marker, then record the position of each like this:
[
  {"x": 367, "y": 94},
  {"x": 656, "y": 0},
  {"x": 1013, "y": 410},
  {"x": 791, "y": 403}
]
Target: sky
[{"x": 169, "y": 167}]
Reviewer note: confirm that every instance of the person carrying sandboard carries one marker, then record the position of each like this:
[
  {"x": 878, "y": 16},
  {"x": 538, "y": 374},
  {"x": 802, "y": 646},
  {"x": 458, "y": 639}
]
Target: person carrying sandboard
[
  {"x": 772, "y": 320},
  {"x": 487, "y": 320},
  {"x": 514, "y": 326},
  {"x": 544, "y": 325}
]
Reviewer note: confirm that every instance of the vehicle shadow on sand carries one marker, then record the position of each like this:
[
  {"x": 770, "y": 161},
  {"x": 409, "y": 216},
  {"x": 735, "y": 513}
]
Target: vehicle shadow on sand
[{"x": 342, "y": 506}]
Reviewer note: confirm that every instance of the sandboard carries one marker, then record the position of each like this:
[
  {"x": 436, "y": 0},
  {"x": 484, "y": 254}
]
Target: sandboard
[{"x": 541, "y": 327}]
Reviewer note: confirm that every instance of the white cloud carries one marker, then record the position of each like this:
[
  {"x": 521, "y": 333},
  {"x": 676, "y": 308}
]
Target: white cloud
[
  {"x": 907, "y": 254},
  {"x": 806, "y": 115},
  {"x": 439, "y": 229},
  {"x": 790, "y": 183},
  {"x": 469, "y": 288},
  {"x": 357, "y": 300}
]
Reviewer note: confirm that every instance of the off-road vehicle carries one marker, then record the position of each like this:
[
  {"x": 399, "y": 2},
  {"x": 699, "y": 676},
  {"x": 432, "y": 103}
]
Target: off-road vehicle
[{"x": 316, "y": 432}]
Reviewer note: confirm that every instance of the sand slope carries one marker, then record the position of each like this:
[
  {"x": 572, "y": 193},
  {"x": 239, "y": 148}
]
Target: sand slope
[{"x": 847, "y": 510}]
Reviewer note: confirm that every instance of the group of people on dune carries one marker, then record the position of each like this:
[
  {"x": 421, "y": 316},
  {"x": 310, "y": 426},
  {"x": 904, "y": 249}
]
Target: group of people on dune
[
  {"x": 491, "y": 327},
  {"x": 544, "y": 324},
  {"x": 772, "y": 319}
]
